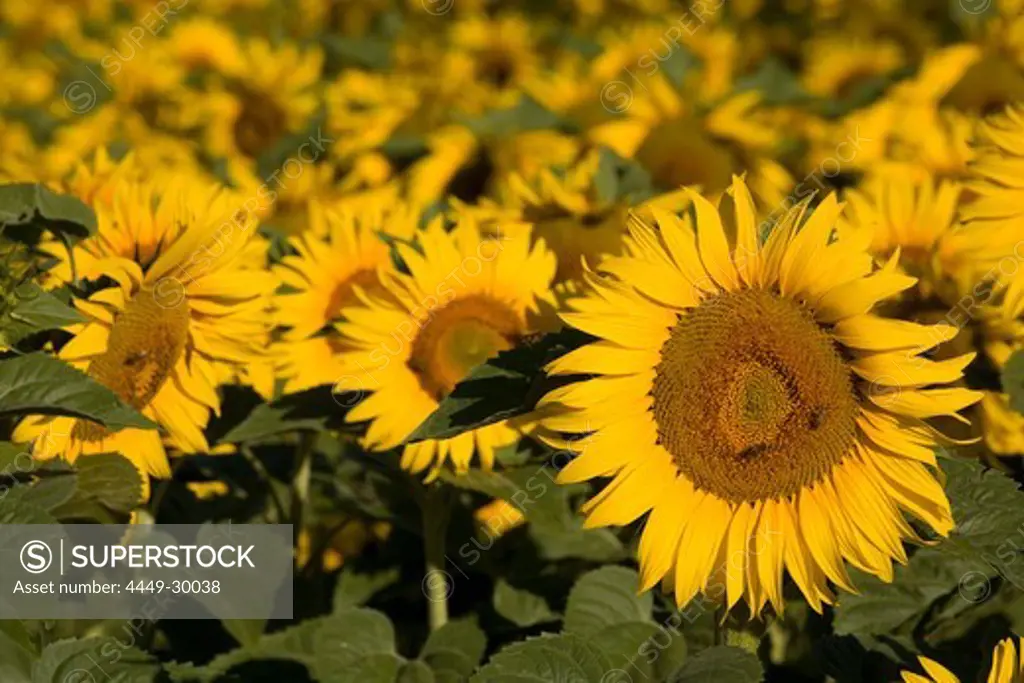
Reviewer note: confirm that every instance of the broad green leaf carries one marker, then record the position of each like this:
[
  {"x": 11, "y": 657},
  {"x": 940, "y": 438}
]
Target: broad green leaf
[
  {"x": 107, "y": 659},
  {"x": 881, "y": 607},
  {"x": 631, "y": 647},
  {"x": 355, "y": 589},
  {"x": 1013, "y": 381},
  {"x": 606, "y": 597},
  {"x": 24, "y": 204},
  {"x": 988, "y": 510},
  {"x": 415, "y": 672},
  {"x": 245, "y": 631},
  {"x": 508, "y": 385},
  {"x": 303, "y": 411},
  {"x": 565, "y": 658},
  {"x": 110, "y": 479},
  {"x": 720, "y": 665},
  {"x": 34, "y": 311},
  {"x": 521, "y": 607},
  {"x": 457, "y": 647},
  {"x": 39, "y": 384},
  {"x": 15, "y": 459},
  {"x": 16, "y": 509},
  {"x": 988, "y": 507},
  {"x": 16, "y": 652}
]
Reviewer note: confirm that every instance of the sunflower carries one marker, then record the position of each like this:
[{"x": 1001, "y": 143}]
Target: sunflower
[
  {"x": 341, "y": 254},
  {"x": 184, "y": 307},
  {"x": 746, "y": 393},
  {"x": 466, "y": 298},
  {"x": 269, "y": 97},
  {"x": 1007, "y": 667},
  {"x": 563, "y": 206},
  {"x": 917, "y": 219},
  {"x": 838, "y": 65}
]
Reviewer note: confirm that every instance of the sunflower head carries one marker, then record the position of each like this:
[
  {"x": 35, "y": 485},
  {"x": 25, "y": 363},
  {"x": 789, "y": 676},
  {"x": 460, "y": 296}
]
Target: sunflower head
[
  {"x": 743, "y": 391},
  {"x": 466, "y": 298}
]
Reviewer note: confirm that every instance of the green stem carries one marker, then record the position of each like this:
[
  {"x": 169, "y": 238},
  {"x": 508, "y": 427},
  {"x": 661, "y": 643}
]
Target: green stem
[
  {"x": 300, "y": 482},
  {"x": 437, "y": 583}
]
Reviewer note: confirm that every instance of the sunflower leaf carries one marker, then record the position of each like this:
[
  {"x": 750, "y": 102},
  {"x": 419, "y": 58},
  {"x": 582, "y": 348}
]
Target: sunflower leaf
[
  {"x": 1013, "y": 381},
  {"x": 80, "y": 660},
  {"x": 506, "y": 386},
  {"x": 27, "y": 207},
  {"x": 457, "y": 648},
  {"x": 520, "y": 606},
  {"x": 720, "y": 665},
  {"x": 565, "y": 657},
  {"x": 34, "y": 311},
  {"x": 16, "y": 652},
  {"x": 606, "y": 597},
  {"x": 988, "y": 540},
  {"x": 39, "y": 384}
]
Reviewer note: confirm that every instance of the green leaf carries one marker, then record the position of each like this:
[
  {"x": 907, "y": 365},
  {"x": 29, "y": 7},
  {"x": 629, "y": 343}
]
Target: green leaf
[
  {"x": 521, "y": 607},
  {"x": 1013, "y": 380},
  {"x": 35, "y": 311},
  {"x": 415, "y": 672},
  {"x": 506, "y": 386},
  {"x": 25, "y": 204},
  {"x": 527, "y": 114},
  {"x": 16, "y": 652},
  {"x": 988, "y": 508},
  {"x": 90, "y": 659},
  {"x": 355, "y": 589},
  {"x": 245, "y": 631},
  {"x": 16, "y": 509},
  {"x": 455, "y": 649},
  {"x": 106, "y": 479},
  {"x": 606, "y": 597},
  {"x": 989, "y": 511},
  {"x": 881, "y": 607},
  {"x": 631, "y": 647},
  {"x": 776, "y": 83},
  {"x": 38, "y": 384},
  {"x": 720, "y": 665},
  {"x": 565, "y": 658},
  {"x": 303, "y": 411}
]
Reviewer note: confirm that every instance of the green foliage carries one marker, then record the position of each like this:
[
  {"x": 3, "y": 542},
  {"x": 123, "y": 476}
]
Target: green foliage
[
  {"x": 39, "y": 384},
  {"x": 1013, "y": 381},
  {"x": 605, "y": 597},
  {"x": 27, "y": 207}
]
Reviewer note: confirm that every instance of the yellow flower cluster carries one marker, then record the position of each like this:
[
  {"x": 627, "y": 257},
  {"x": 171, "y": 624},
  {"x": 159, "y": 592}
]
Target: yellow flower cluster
[{"x": 792, "y": 230}]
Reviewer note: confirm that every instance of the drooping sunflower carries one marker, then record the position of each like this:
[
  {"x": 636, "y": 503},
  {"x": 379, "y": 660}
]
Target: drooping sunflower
[
  {"x": 184, "y": 308},
  {"x": 341, "y": 254},
  {"x": 465, "y": 299},
  {"x": 1007, "y": 667},
  {"x": 745, "y": 393}
]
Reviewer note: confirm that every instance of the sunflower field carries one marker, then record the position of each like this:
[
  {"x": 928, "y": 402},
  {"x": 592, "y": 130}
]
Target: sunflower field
[{"x": 581, "y": 341}]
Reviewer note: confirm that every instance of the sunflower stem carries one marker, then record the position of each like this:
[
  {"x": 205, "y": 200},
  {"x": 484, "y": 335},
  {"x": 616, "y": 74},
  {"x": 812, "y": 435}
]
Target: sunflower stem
[
  {"x": 436, "y": 582},
  {"x": 300, "y": 482}
]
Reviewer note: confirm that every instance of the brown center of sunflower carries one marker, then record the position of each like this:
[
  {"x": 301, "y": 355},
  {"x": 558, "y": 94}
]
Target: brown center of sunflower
[
  {"x": 679, "y": 152},
  {"x": 259, "y": 125},
  {"x": 344, "y": 293},
  {"x": 460, "y": 336},
  {"x": 752, "y": 398},
  {"x": 145, "y": 343}
]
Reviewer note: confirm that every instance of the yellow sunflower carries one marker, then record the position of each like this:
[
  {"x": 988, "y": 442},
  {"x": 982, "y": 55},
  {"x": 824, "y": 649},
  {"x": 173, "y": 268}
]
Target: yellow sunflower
[
  {"x": 269, "y": 97},
  {"x": 184, "y": 307},
  {"x": 1007, "y": 667},
  {"x": 342, "y": 253},
  {"x": 466, "y": 298},
  {"x": 746, "y": 394},
  {"x": 838, "y": 64},
  {"x": 916, "y": 219}
]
